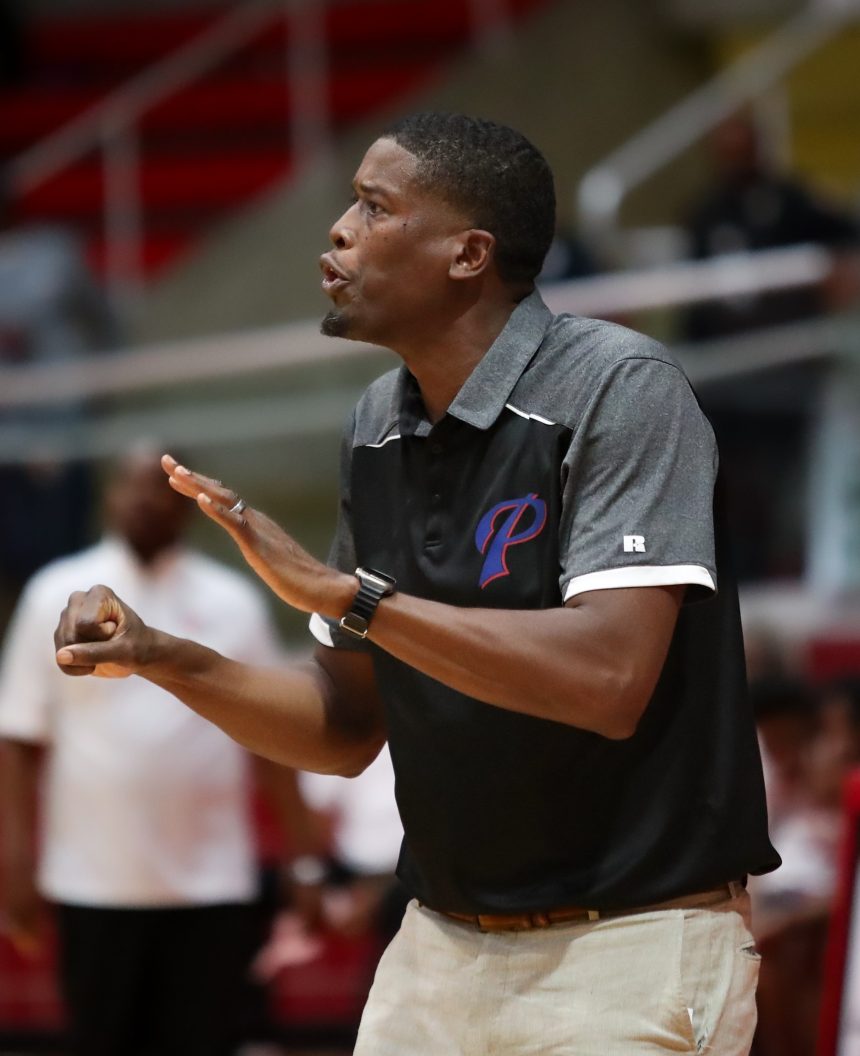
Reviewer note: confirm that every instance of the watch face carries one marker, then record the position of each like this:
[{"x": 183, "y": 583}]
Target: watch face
[{"x": 377, "y": 579}]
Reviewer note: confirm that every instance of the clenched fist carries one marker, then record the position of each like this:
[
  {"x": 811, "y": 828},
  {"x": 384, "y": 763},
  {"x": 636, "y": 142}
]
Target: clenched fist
[{"x": 99, "y": 635}]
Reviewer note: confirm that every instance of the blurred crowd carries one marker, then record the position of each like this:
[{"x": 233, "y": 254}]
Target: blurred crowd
[{"x": 810, "y": 742}]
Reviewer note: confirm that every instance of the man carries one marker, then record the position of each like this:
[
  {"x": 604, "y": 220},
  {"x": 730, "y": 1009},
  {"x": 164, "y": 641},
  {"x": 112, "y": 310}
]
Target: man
[
  {"x": 752, "y": 206},
  {"x": 147, "y": 848},
  {"x": 560, "y": 685}
]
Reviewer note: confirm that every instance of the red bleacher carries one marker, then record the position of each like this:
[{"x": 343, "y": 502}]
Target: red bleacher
[{"x": 224, "y": 139}]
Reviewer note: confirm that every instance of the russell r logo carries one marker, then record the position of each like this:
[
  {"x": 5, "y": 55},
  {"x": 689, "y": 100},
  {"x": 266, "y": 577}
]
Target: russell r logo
[{"x": 496, "y": 532}]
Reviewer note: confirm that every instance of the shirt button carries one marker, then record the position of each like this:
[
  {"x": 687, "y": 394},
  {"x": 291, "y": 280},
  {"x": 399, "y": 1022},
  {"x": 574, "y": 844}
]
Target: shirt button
[{"x": 436, "y": 448}]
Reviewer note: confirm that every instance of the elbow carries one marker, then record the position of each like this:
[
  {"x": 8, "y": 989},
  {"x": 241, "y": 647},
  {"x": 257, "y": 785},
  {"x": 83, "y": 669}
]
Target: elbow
[
  {"x": 621, "y": 706},
  {"x": 621, "y": 728},
  {"x": 357, "y": 758}
]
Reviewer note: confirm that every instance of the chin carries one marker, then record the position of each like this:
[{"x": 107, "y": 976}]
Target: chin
[{"x": 336, "y": 324}]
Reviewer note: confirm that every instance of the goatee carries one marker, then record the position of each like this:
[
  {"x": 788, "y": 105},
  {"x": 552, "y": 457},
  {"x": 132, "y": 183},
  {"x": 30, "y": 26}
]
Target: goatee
[{"x": 334, "y": 324}]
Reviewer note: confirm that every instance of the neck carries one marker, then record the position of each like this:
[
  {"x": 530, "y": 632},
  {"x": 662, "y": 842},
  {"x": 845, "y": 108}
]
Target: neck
[
  {"x": 442, "y": 361},
  {"x": 146, "y": 555}
]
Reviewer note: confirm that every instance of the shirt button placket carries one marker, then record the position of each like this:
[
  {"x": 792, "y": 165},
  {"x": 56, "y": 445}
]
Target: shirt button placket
[{"x": 433, "y": 533}]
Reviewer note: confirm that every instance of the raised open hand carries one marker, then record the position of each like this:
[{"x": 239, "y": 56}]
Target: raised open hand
[{"x": 284, "y": 566}]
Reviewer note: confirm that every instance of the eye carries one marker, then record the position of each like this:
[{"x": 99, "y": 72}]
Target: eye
[{"x": 371, "y": 208}]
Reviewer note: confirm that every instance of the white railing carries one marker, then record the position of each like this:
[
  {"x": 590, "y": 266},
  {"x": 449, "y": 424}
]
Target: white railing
[
  {"x": 111, "y": 126},
  {"x": 299, "y": 344},
  {"x": 602, "y": 190},
  {"x": 187, "y": 420}
]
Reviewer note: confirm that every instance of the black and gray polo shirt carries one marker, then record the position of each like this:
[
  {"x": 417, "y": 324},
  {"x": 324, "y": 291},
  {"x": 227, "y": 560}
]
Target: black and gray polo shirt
[{"x": 574, "y": 458}]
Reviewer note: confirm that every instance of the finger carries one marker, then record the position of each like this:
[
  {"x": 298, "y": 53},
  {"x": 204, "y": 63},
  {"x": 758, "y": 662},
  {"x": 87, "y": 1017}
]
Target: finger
[
  {"x": 193, "y": 484},
  {"x": 234, "y": 522},
  {"x": 90, "y": 616},
  {"x": 97, "y": 615},
  {"x": 72, "y": 658}
]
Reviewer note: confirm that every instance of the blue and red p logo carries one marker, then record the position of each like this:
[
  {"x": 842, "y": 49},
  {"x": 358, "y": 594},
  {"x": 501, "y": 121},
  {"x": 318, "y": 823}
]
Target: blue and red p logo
[{"x": 496, "y": 532}]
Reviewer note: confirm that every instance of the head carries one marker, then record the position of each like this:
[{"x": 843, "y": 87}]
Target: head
[
  {"x": 736, "y": 148},
  {"x": 786, "y": 714},
  {"x": 141, "y": 507},
  {"x": 447, "y": 209}
]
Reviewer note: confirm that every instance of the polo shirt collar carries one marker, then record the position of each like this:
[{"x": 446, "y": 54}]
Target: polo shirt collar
[{"x": 485, "y": 392}]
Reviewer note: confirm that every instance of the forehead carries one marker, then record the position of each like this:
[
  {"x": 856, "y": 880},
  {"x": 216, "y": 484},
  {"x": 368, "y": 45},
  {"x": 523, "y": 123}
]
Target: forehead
[
  {"x": 387, "y": 167},
  {"x": 137, "y": 470}
]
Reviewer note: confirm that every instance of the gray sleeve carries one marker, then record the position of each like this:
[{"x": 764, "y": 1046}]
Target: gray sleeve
[
  {"x": 637, "y": 505},
  {"x": 341, "y": 553}
]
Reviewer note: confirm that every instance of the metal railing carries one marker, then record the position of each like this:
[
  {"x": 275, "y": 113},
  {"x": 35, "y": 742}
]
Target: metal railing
[
  {"x": 111, "y": 126},
  {"x": 322, "y": 408},
  {"x": 603, "y": 189}
]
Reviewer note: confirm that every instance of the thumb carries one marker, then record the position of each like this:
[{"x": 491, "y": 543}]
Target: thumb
[{"x": 88, "y": 654}]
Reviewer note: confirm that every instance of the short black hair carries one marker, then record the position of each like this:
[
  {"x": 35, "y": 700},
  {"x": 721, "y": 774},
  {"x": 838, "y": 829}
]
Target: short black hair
[{"x": 500, "y": 181}]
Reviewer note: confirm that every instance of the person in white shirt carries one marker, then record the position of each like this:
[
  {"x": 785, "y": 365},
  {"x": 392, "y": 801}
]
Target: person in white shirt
[{"x": 146, "y": 846}]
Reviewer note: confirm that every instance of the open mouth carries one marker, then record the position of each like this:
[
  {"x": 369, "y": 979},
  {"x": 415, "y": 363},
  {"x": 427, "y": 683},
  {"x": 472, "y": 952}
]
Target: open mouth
[{"x": 332, "y": 278}]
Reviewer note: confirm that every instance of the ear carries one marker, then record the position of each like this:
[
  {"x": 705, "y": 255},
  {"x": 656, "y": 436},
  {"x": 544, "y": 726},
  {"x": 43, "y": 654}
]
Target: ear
[{"x": 474, "y": 254}]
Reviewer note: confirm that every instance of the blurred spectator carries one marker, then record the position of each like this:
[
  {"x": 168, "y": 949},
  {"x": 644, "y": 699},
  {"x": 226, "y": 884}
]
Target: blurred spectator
[
  {"x": 344, "y": 887},
  {"x": 568, "y": 258},
  {"x": 809, "y": 745},
  {"x": 344, "y": 884},
  {"x": 365, "y": 835},
  {"x": 145, "y": 843},
  {"x": 786, "y": 718},
  {"x": 51, "y": 312},
  {"x": 751, "y": 206}
]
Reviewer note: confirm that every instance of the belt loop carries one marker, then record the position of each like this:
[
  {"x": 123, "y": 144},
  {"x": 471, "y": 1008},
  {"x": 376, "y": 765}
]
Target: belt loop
[
  {"x": 594, "y": 914},
  {"x": 735, "y": 888}
]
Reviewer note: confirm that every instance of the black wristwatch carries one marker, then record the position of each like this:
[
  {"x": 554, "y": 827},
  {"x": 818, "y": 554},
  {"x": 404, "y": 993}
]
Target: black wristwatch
[{"x": 374, "y": 587}]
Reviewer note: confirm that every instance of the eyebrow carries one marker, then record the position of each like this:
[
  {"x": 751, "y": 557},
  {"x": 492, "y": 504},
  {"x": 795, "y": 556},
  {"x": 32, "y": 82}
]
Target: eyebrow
[{"x": 367, "y": 187}]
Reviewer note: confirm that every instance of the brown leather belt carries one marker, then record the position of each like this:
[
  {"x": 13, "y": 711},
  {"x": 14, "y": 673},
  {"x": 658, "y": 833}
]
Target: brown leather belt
[{"x": 569, "y": 914}]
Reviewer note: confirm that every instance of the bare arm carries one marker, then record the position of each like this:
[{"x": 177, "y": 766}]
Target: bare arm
[
  {"x": 20, "y": 763},
  {"x": 322, "y": 715},
  {"x": 592, "y": 664}
]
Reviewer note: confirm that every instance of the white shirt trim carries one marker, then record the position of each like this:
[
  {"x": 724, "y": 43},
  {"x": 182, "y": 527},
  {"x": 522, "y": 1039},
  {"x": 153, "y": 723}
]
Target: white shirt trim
[
  {"x": 382, "y": 443},
  {"x": 321, "y": 630},
  {"x": 532, "y": 417},
  {"x": 640, "y": 576}
]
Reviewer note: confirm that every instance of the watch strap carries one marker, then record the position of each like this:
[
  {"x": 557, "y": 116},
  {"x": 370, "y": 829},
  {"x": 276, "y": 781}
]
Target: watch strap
[{"x": 373, "y": 587}]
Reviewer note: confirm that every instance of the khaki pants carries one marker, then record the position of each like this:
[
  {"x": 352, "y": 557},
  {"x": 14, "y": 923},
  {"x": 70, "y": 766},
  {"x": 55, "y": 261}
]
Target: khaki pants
[{"x": 676, "y": 980}]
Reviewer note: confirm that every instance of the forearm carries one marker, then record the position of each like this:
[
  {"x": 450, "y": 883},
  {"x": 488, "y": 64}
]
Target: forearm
[
  {"x": 289, "y": 715},
  {"x": 567, "y": 665}
]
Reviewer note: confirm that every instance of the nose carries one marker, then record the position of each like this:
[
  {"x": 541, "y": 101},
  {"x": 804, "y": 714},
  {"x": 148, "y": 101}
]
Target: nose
[{"x": 341, "y": 233}]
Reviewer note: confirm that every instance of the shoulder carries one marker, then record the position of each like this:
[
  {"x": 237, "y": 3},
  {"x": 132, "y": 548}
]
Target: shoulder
[
  {"x": 595, "y": 342},
  {"x": 582, "y": 359}
]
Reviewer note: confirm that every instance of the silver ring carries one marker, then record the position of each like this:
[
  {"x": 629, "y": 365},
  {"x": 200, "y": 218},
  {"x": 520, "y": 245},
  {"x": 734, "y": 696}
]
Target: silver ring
[{"x": 239, "y": 506}]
